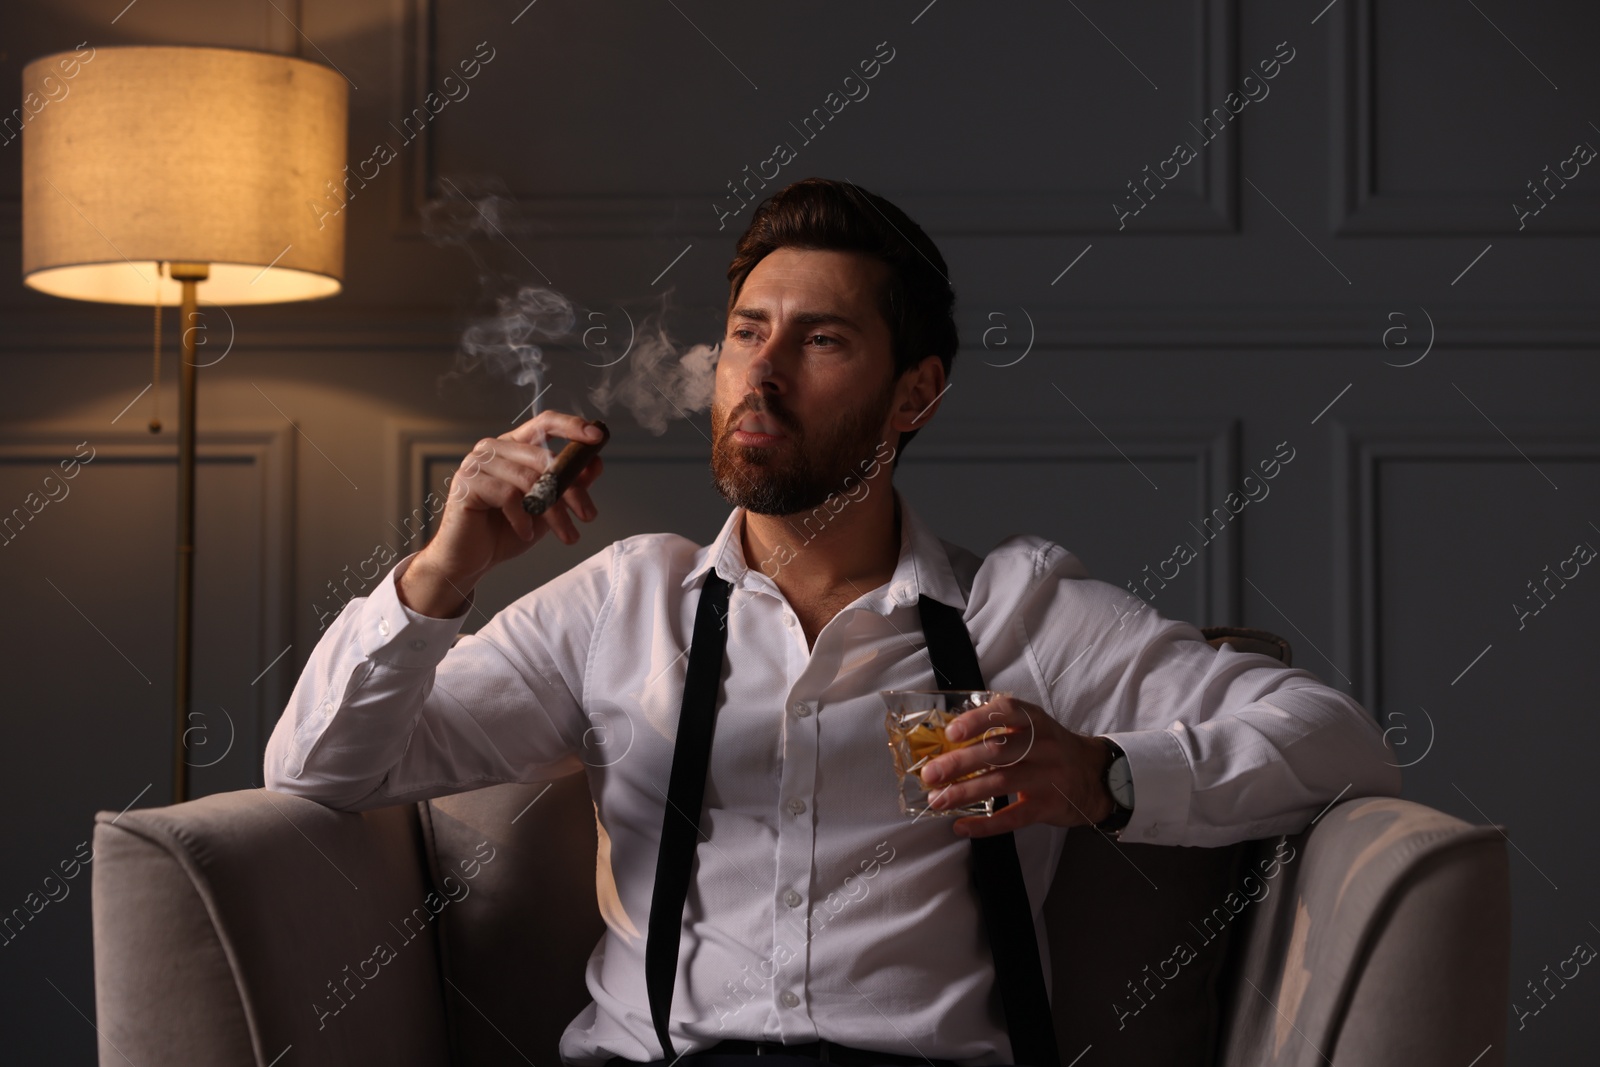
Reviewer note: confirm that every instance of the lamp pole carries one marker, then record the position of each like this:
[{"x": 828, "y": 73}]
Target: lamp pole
[{"x": 190, "y": 274}]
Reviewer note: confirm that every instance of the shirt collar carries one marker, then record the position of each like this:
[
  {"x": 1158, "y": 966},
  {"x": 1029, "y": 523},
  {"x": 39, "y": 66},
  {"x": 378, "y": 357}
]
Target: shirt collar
[{"x": 923, "y": 566}]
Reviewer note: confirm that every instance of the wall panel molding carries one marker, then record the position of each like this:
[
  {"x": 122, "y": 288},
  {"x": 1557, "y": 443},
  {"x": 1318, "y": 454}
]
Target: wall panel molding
[
  {"x": 268, "y": 454},
  {"x": 1212, "y": 447},
  {"x": 1359, "y": 207},
  {"x": 975, "y": 213},
  {"x": 1360, "y": 450}
]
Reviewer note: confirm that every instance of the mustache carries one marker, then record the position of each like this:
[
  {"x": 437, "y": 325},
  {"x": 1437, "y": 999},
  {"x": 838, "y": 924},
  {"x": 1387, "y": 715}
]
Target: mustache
[{"x": 753, "y": 403}]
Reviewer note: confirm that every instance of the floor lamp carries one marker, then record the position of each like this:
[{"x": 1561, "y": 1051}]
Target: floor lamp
[{"x": 148, "y": 170}]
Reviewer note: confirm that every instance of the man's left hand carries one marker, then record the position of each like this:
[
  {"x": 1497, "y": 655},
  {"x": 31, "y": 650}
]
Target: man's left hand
[{"x": 1055, "y": 776}]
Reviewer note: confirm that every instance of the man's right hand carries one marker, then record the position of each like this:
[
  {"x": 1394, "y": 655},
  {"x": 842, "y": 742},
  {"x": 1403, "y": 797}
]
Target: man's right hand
[{"x": 484, "y": 523}]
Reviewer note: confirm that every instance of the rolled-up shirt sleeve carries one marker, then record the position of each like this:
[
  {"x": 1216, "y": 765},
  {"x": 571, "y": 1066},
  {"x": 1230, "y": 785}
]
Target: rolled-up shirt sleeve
[
  {"x": 394, "y": 706},
  {"x": 1222, "y": 745}
]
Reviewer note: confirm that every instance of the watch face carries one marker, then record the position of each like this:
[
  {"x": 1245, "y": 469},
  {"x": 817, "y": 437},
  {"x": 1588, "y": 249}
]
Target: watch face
[{"x": 1120, "y": 782}]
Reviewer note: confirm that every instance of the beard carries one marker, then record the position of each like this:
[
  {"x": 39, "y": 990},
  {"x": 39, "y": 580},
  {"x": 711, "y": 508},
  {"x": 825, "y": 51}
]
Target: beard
[{"x": 794, "y": 474}]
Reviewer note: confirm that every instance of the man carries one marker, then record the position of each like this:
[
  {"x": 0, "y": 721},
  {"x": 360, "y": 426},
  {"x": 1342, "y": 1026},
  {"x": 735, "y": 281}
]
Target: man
[{"x": 817, "y": 910}]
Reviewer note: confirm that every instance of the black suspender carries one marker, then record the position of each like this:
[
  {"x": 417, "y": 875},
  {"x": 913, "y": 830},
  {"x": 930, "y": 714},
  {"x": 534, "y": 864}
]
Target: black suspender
[
  {"x": 686, "y": 790},
  {"x": 996, "y": 872}
]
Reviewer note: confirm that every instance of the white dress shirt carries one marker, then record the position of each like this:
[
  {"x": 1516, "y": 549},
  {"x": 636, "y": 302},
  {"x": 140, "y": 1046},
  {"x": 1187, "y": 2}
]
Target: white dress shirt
[{"x": 817, "y": 909}]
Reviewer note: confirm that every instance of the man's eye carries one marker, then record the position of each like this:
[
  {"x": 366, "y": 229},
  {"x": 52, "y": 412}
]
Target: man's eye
[
  {"x": 744, "y": 333},
  {"x": 824, "y": 337}
]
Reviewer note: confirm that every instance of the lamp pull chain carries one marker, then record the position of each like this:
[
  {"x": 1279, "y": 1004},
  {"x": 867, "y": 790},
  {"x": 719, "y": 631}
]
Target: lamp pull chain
[{"x": 155, "y": 373}]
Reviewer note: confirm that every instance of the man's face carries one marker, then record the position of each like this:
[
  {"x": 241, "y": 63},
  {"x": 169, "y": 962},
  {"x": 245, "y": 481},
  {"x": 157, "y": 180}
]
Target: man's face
[{"x": 804, "y": 381}]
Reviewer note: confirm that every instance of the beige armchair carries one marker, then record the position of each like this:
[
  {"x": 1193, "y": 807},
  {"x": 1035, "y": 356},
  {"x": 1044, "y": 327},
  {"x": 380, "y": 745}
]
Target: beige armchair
[{"x": 259, "y": 928}]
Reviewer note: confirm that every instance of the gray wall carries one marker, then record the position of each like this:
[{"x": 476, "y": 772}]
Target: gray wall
[{"x": 1341, "y": 270}]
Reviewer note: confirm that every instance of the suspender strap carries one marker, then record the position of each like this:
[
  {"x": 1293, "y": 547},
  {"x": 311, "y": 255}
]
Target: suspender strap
[
  {"x": 686, "y": 788},
  {"x": 996, "y": 871}
]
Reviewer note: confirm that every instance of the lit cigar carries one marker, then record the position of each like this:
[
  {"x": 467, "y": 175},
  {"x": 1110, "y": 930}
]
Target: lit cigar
[{"x": 569, "y": 463}]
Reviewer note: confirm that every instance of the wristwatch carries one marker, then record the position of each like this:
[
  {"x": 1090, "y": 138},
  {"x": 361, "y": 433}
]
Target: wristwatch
[{"x": 1119, "y": 783}]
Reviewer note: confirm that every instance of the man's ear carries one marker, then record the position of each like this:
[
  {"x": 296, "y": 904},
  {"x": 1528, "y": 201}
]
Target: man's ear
[{"x": 918, "y": 394}]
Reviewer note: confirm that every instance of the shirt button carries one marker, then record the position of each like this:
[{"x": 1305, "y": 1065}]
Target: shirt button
[
  {"x": 1151, "y": 832},
  {"x": 419, "y": 644},
  {"x": 801, "y": 708},
  {"x": 796, "y": 805},
  {"x": 383, "y": 627},
  {"x": 791, "y": 898},
  {"x": 788, "y": 620},
  {"x": 328, "y": 707},
  {"x": 789, "y": 999}
]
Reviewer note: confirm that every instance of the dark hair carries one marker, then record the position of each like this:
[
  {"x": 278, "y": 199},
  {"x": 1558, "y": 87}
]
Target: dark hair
[{"x": 827, "y": 215}]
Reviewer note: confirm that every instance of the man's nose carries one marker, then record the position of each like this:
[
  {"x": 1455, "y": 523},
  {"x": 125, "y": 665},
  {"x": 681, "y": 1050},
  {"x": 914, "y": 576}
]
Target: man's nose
[{"x": 759, "y": 376}]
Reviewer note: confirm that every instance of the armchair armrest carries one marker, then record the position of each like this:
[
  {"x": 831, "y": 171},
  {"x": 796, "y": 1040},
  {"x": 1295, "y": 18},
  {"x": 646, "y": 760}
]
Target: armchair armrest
[
  {"x": 1386, "y": 942},
  {"x": 230, "y": 928}
]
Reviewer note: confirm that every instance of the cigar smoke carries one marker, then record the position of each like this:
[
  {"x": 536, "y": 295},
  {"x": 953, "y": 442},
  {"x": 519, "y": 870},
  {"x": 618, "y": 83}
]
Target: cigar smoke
[
  {"x": 485, "y": 222},
  {"x": 656, "y": 381},
  {"x": 659, "y": 380},
  {"x": 506, "y": 342}
]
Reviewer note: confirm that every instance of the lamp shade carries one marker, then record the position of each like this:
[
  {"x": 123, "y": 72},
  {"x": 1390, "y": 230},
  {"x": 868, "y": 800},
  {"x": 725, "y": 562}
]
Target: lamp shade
[{"x": 219, "y": 156}]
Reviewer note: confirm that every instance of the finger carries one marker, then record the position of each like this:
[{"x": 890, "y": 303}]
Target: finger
[
  {"x": 477, "y": 487},
  {"x": 560, "y": 520},
  {"x": 485, "y": 492},
  {"x": 482, "y": 467},
  {"x": 518, "y": 518},
  {"x": 954, "y": 765},
  {"x": 1008, "y": 731},
  {"x": 1011, "y": 746},
  {"x": 1000, "y": 711},
  {"x": 577, "y": 494},
  {"x": 1013, "y": 816},
  {"x": 531, "y": 454},
  {"x": 995, "y": 748},
  {"x": 578, "y": 491},
  {"x": 549, "y": 424},
  {"x": 936, "y": 801},
  {"x": 518, "y": 472},
  {"x": 474, "y": 460},
  {"x": 582, "y": 505},
  {"x": 992, "y": 784},
  {"x": 500, "y": 485},
  {"x": 590, "y": 472}
]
